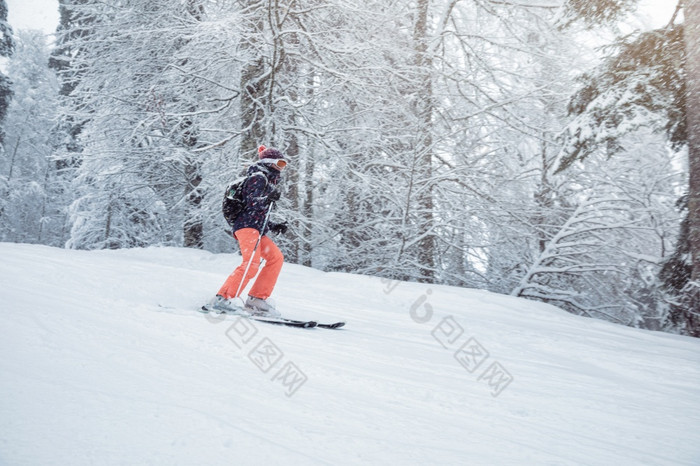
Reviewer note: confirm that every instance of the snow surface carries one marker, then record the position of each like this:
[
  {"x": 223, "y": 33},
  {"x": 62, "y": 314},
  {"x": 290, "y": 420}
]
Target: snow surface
[{"x": 105, "y": 361}]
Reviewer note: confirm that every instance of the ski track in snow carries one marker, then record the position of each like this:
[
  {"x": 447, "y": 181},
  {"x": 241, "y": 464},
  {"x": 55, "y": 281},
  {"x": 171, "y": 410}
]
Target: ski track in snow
[{"x": 106, "y": 361}]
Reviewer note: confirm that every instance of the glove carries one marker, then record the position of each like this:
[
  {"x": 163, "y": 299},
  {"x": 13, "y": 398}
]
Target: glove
[
  {"x": 279, "y": 228},
  {"x": 274, "y": 196}
]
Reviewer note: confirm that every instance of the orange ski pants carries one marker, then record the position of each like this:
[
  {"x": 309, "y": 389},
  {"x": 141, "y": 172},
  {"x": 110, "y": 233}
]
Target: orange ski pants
[{"x": 265, "y": 283}]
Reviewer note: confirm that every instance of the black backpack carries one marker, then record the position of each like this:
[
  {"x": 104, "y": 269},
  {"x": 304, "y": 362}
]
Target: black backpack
[{"x": 234, "y": 203}]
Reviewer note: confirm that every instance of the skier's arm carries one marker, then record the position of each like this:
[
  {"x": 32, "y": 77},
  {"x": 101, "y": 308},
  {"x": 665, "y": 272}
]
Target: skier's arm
[{"x": 255, "y": 194}]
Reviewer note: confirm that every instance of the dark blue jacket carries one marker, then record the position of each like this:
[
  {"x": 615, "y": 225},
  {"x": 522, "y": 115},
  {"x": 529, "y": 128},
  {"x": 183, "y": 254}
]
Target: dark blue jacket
[{"x": 261, "y": 181}]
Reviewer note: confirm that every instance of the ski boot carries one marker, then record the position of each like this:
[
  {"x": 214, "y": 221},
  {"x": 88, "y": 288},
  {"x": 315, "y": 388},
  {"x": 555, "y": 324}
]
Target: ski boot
[{"x": 260, "y": 308}]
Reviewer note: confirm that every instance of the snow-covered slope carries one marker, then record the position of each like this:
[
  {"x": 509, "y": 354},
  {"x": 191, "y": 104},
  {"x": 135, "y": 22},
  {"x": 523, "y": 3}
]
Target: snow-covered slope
[{"x": 105, "y": 361}]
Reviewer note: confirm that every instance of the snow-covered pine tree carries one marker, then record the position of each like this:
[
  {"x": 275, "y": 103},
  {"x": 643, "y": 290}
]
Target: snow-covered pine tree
[
  {"x": 686, "y": 308},
  {"x": 651, "y": 77},
  {"x": 33, "y": 208},
  {"x": 7, "y": 46},
  {"x": 6, "y": 49},
  {"x": 145, "y": 95},
  {"x": 71, "y": 40}
]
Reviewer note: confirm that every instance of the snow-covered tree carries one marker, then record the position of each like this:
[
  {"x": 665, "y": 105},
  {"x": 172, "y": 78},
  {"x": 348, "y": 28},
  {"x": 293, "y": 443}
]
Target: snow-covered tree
[
  {"x": 7, "y": 46},
  {"x": 602, "y": 260},
  {"x": 650, "y": 79},
  {"x": 141, "y": 98},
  {"x": 71, "y": 39},
  {"x": 34, "y": 199}
]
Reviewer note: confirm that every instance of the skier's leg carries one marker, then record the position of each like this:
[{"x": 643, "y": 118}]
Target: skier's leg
[
  {"x": 267, "y": 279},
  {"x": 247, "y": 238}
]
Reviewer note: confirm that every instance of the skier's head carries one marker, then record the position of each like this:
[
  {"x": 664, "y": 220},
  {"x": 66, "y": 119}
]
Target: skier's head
[{"x": 272, "y": 157}]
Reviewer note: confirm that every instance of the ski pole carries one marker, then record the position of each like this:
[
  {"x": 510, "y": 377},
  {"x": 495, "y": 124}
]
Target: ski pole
[{"x": 250, "y": 261}]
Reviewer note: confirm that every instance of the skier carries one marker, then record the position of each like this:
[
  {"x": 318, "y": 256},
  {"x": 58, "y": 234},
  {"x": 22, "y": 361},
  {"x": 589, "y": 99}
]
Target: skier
[{"x": 250, "y": 228}]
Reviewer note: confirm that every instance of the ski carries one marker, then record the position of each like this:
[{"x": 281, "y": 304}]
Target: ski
[
  {"x": 332, "y": 326},
  {"x": 319, "y": 325},
  {"x": 267, "y": 320},
  {"x": 285, "y": 322},
  {"x": 281, "y": 320}
]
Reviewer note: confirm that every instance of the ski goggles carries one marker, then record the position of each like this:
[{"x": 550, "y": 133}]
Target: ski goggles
[{"x": 279, "y": 163}]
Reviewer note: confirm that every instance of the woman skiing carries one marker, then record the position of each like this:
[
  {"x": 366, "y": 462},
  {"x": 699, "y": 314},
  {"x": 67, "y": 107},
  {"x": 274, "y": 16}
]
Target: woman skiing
[{"x": 250, "y": 228}]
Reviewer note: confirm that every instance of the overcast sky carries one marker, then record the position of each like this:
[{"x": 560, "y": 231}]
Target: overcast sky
[
  {"x": 43, "y": 14},
  {"x": 33, "y": 14}
]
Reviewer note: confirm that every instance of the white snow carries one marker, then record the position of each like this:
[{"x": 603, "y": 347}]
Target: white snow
[{"x": 105, "y": 361}]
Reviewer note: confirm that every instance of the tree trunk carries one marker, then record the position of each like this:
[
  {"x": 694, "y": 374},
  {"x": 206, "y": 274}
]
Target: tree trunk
[
  {"x": 294, "y": 179},
  {"x": 193, "y": 228},
  {"x": 253, "y": 94},
  {"x": 692, "y": 105},
  {"x": 424, "y": 113},
  {"x": 307, "y": 209}
]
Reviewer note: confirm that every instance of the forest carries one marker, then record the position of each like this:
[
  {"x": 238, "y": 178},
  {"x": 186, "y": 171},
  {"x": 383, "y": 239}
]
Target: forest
[{"x": 545, "y": 149}]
